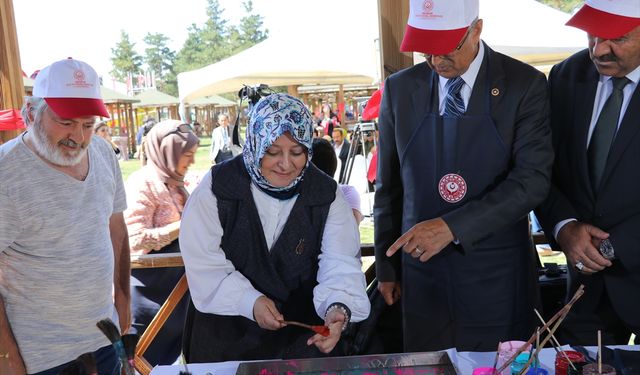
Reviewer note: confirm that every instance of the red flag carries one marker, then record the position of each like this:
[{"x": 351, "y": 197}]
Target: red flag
[
  {"x": 373, "y": 166},
  {"x": 10, "y": 119},
  {"x": 373, "y": 105}
]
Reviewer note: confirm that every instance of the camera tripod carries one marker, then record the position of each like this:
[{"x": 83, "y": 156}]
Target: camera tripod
[{"x": 358, "y": 147}]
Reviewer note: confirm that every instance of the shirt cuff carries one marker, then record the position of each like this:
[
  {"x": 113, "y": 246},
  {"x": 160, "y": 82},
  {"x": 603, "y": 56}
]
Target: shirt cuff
[
  {"x": 559, "y": 226},
  {"x": 245, "y": 306}
]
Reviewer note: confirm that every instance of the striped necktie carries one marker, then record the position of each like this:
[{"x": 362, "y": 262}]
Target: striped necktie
[
  {"x": 604, "y": 131},
  {"x": 453, "y": 103}
]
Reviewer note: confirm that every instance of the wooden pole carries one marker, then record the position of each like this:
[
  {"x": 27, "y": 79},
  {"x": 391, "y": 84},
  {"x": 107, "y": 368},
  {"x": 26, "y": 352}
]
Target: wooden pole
[
  {"x": 392, "y": 18},
  {"x": 11, "y": 84}
]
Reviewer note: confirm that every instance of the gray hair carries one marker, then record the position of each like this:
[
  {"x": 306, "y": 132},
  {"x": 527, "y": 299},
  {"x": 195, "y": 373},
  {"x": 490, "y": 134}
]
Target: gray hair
[
  {"x": 37, "y": 106},
  {"x": 223, "y": 115}
]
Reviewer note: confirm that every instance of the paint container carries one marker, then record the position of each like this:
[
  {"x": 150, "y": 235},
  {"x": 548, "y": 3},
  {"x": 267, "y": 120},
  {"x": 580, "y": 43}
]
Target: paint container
[
  {"x": 562, "y": 365},
  {"x": 520, "y": 362},
  {"x": 507, "y": 350}
]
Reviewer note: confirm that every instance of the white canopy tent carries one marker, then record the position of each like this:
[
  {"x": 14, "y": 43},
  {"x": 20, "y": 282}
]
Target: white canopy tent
[
  {"x": 527, "y": 27},
  {"x": 317, "y": 49},
  {"x": 340, "y": 47}
]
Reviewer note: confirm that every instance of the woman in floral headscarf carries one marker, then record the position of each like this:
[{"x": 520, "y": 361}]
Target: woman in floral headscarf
[{"x": 267, "y": 237}]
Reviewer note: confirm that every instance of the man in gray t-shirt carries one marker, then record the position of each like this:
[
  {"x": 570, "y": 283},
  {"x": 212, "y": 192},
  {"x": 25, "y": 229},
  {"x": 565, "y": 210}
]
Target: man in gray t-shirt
[{"x": 64, "y": 251}]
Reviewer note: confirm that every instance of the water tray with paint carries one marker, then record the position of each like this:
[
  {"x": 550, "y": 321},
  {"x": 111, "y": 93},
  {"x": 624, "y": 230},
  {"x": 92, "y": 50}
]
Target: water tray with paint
[{"x": 427, "y": 363}]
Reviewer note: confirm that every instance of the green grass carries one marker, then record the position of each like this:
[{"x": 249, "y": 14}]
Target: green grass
[{"x": 202, "y": 163}]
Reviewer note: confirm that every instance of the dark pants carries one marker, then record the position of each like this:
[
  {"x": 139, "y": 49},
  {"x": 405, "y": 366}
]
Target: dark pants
[
  {"x": 223, "y": 155},
  {"x": 150, "y": 288},
  {"x": 106, "y": 362}
]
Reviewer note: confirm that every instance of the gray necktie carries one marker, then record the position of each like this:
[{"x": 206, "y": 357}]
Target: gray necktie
[{"x": 604, "y": 131}]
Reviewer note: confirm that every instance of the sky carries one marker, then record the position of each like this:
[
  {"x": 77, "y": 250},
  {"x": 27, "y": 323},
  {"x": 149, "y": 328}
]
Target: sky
[{"x": 87, "y": 30}]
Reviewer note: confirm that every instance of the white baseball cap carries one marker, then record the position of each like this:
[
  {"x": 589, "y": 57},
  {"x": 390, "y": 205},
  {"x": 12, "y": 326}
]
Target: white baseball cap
[
  {"x": 608, "y": 19},
  {"x": 436, "y": 27},
  {"x": 71, "y": 88}
]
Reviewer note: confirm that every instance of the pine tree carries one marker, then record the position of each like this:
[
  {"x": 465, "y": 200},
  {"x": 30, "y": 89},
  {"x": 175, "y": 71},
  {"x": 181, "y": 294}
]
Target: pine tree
[
  {"x": 125, "y": 59},
  {"x": 160, "y": 59},
  {"x": 250, "y": 28}
]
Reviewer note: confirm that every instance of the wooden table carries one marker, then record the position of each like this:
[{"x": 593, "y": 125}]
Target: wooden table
[
  {"x": 157, "y": 261},
  {"x": 175, "y": 260}
]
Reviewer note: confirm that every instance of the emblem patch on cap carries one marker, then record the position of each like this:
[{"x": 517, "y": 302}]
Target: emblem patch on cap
[{"x": 452, "y": 188}]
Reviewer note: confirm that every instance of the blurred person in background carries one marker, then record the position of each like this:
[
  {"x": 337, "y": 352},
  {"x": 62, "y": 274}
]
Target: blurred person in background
[
  {"x": 102, "y": 130},
  {"x": 325, "y": 159},
  {"x": 155, "y": 198}
]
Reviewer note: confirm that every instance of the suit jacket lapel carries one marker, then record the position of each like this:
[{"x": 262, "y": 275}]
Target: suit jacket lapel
[
  {"x": 421, "y": 93},
  {"x": 628, "y": 130},
  {"x": 585, "y": 93},
  {"x": 496, "y": 81}
]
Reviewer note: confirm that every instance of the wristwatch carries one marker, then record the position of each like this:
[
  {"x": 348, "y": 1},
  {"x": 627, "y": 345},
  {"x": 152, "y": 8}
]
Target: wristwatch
[{"x": 606, "y": 249}]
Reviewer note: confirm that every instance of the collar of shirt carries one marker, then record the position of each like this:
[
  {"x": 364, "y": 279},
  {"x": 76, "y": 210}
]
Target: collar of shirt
[
  {"x": 605, "y": 86},
  {"x": 469, "y": 78}
]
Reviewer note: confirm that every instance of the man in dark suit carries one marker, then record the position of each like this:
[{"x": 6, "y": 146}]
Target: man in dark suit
[
  {"x": 464, "y": 154},
  {"x": 342, "y": 146},
  {"x": 593, "y": 210}
]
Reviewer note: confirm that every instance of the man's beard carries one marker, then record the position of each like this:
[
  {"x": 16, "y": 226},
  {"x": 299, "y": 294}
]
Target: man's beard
[{"x": 53, "y": 153}]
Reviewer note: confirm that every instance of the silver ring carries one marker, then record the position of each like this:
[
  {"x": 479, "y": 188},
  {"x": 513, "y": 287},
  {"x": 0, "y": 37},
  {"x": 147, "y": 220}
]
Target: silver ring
[
  {"x": 418, "y": 251},
  {"x": 579, "y": 265}
]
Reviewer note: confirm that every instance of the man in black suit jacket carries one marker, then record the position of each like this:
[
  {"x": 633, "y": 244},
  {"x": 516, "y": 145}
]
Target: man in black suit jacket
[
  {"x": 341, "y": 143},
  {"x": 458, "y": 171},
  {"x": 583, "y": 211}
]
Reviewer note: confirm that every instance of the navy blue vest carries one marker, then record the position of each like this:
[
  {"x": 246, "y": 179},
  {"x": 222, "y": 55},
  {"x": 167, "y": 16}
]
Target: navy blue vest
[{"x": 287, "y": 274}]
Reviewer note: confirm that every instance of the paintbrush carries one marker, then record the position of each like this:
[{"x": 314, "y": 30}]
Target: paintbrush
[
  {"x": 113, "y": 334},
  {"x": 186, "y": 369},
  {"x": 129, "y": 341},
  {"x": 557, "y": 316},
  {"x": 554, "y": 341},
  {"x": 495, "y": 360},
  {"x": 322, "y": 330},
  {"x": 599, "y": 352}
]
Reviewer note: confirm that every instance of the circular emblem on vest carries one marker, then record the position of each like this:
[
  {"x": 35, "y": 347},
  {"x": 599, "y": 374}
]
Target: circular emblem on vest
[
  {"x": 495, "y": 91},
  {"x": 452, "y": 188}
]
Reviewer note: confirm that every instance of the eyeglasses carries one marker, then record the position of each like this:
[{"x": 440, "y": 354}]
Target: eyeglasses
[
  {"x": 459, "y": 46},
  {"x": 182, "y": 128}
]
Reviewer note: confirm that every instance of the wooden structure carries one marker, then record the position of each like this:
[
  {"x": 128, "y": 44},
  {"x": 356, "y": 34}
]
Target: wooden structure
[
  {"x": 204, "y": 110},
  {"x": 155, "y": 104},
  {"x": 11, "y": 87},
  {"x": 120, "y": 109},
  {"x": 392, "y": 20}
]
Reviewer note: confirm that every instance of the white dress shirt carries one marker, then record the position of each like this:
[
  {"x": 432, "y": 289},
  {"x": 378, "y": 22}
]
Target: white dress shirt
[
  {"x": 218, "y": 288},
  {"x": 469, "y": 78}
]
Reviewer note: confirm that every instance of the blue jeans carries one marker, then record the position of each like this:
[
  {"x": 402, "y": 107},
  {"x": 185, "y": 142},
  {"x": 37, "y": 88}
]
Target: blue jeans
[{"x": 106, "y": 362}]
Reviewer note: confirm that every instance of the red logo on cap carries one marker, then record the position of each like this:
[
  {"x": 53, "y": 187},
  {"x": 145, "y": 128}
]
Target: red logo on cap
[
  {"x": 427, "y": 6},
  {"x": 79, "y": 80},
  {"x": 452, "y": 188},
  {"x": 427, "y": 10},
  {"x": 78, "y": 75}
]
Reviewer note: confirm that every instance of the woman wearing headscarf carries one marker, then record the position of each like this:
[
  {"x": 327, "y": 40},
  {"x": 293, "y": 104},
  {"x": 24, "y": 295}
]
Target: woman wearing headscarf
[
  {"x": 267, "y": 237},
  {"x": 155, "y": 198},
  {"x": 102, "y": 130}
]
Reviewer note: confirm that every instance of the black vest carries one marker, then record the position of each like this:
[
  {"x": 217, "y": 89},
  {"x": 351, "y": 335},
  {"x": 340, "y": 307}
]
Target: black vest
[{"x": 287, "y": 274}]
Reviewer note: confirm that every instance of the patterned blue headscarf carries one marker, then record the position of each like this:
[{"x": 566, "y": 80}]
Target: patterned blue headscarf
[{"x": 270, "y": 118}]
